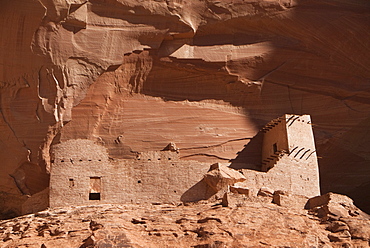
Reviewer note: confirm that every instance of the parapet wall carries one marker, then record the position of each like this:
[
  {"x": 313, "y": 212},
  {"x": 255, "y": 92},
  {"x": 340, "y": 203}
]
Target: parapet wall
[
  {"x": 158, "y": 156},
  {"x": 78, "y": 150}
]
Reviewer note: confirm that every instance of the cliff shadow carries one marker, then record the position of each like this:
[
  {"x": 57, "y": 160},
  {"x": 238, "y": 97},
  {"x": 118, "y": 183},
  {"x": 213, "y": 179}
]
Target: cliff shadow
[
  {"x": 251, "y": 155},
  {"x": 199, "y": 191},
  {"x": 248, "y": 158}
]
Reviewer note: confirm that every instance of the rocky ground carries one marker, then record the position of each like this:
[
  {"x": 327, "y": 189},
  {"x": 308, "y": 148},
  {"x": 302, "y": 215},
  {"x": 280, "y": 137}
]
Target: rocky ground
[{"x": 253, "y": 223}]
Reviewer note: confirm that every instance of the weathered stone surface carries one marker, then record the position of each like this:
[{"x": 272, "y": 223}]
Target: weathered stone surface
[
  {"x": 36, "y": 202},
  {"x": 329, "y": 198},
  {"x": 286, "y": 199},
  {"x": 203, "y": 225},
  {"x": 89, "y": 242},
  {"x": 333, "y": 210},
  {"x": 220, "y": 176},
  {"x": 240, "y": 190},
  {"x": 343, "y": 219},
  {"x": 335, "y": 205},
  {"x": 265, "y": 192},
  {"x": 244, "y": 221},
  {"x": 340, "y": 237},
  {"x": 337, "y": 226},
  {"x": 234, "y": 200},
  {"x": 359, "y": 228}
]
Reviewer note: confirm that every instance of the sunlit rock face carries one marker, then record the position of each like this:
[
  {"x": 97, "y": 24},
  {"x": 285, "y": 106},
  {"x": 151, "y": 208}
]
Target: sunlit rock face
[{"x": 206, "y": 75}]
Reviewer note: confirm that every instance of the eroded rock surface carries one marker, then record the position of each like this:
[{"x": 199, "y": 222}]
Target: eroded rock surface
[
  {"x": 137, "y": 75},
  {"x": 254, "y": 223}
]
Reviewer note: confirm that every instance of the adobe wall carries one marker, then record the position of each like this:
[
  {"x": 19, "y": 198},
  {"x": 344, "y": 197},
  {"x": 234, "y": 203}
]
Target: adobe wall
[
  {"x": 160, "y": 176},
  {"x": 288, "y": 174},
  {"x": 300, "y": 136},
  {"x": 302, "y": 154},
  {"x": 274, "y": 134},
  {"x": 293, "y": 167},
  {"x": 152, "y": 177}
]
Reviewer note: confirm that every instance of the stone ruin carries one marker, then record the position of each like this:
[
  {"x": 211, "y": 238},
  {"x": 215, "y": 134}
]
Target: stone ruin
[
  {"x": 289, "y": 160},
  {"x": 83, "y": 174}
]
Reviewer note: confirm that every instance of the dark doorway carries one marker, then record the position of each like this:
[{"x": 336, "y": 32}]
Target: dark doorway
[
  {"x": 94, "y": 196},
  {"x": 274, "y": 147},
  {"x": 95, "y": 188}
]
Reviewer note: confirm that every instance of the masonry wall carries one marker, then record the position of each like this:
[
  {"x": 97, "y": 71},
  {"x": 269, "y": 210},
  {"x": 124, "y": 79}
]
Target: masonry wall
[
  {"x": 288, "y": 174},
  {"x": 294, "y": 166},
  {"x": 160, "y": 176},
  {"x": 275, "y": 134},
  {"x": 300, "y": 136},
  {"x": 152, "y": 177},
  {"x": 302, "y": 154}
]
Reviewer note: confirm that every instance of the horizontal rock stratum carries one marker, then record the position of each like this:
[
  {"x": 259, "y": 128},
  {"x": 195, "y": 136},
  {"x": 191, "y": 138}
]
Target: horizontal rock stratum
[{"x": 134, "y": 76}]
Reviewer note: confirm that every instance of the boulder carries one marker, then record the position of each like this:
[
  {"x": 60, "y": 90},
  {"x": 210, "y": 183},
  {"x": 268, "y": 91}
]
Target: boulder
[
  {"x": 220, "y": 176},
  {"x": 333, "y": 209},
  {"x": 285, "y": 199},
  {"x": 335, "y": 205},
  {"x": 329, "y": 198},
  {"x": 233, "y": 200},
  {"x": 241, "y": 190},
  {"x": 36, "y": 202},
  {"x": 77, "y": 16},
  {"x": 89, "y": 242},
  {"x": 171, "y": 147},
  {"x": 265, "y": 192},
  {"x": 337, "y": 226},
  {"x": 340, "y": 237}
]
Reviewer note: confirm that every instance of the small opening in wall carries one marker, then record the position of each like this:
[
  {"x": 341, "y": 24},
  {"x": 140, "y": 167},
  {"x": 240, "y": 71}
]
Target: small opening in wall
[
  {"x": 52, "y": 161},
  {"x": 99, "y": 159},
  {"x": 89, "y": 160},
  {"x": 71, "y": 182},
  {"x": 274, "y": 148},
  {"x": 62, "y": 161},
  {"x": 169, "y": 158},
  {"x": 149, "y": 159},
  {"x": 159, "y": 158},
  {"x": 94, "y": 196},
  {"x": 95, "y": 188},
  {"x": 80, "y": 160},
  {"x": 139, "y": 181}
]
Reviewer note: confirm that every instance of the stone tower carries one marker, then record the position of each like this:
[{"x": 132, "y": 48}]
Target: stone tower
[{"x": 289, "y": 149}]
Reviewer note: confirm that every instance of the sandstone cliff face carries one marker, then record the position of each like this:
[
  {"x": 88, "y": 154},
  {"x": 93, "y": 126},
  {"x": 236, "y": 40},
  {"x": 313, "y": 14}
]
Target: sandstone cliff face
[{"x": 136, "y": 75}]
